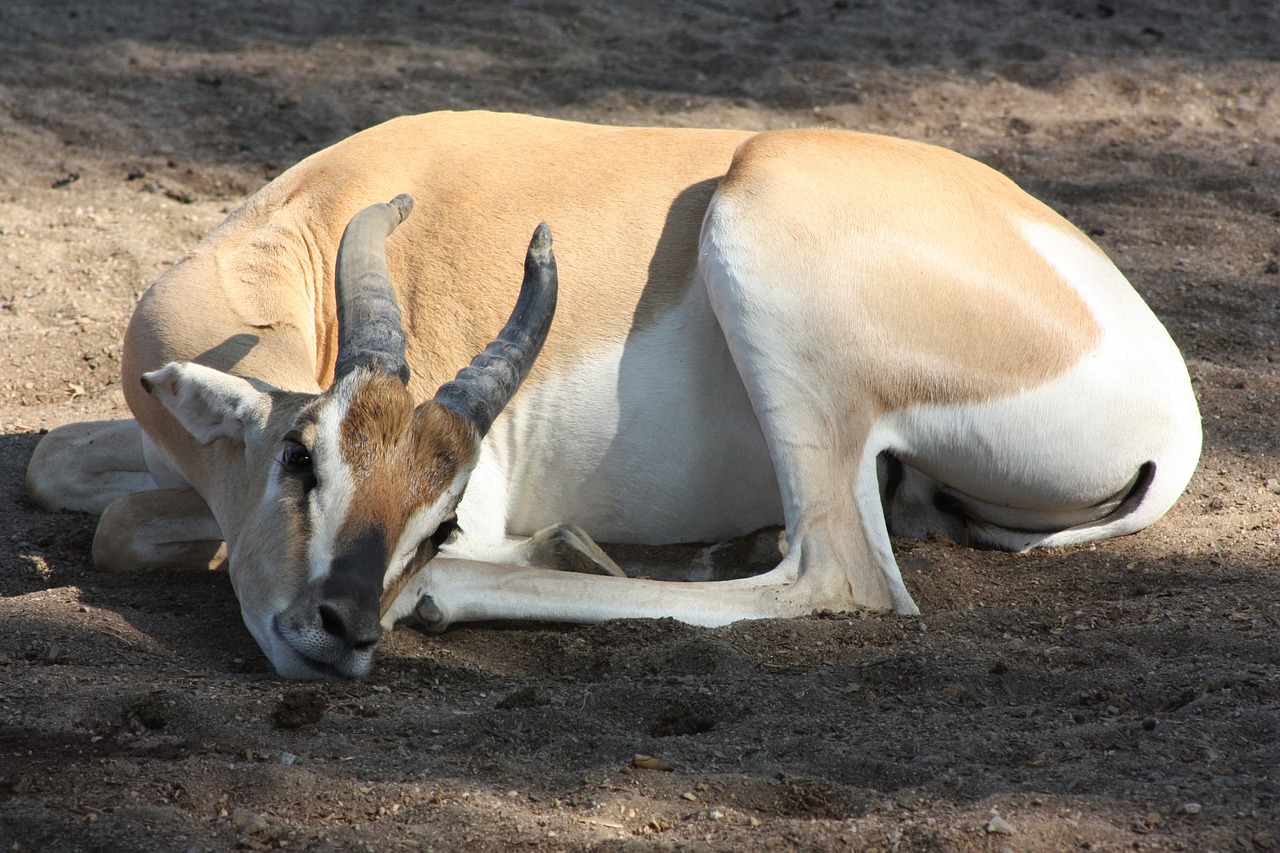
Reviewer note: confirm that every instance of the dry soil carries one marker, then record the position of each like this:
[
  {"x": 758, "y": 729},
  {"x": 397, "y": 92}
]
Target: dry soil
[{"x": 1125, "y": 695}]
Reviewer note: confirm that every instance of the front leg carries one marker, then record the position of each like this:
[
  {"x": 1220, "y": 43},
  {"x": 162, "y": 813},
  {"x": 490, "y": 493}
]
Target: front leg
[
  {"x": 158, "y": 528},
  {"x": 563, "y": 547},
  {"x": 450, "y": 590},
  {"x": 85, "y": 466},
  {"x": 569, "y": 548},
  {"x": 560, "y": 548}
]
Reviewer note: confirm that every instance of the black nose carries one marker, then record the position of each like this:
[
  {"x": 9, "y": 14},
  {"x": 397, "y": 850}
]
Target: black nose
[
  {"x": 351, "y": 594},
  {"x": 352, "y": 622}
]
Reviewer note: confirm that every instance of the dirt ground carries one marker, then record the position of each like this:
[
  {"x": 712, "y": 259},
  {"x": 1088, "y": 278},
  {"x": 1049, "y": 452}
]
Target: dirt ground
[{"x": 1125, "y": 695}]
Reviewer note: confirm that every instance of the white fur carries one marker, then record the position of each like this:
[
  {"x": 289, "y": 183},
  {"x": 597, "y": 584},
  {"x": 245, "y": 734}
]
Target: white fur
[
  {"x": 330, "y": 500},
  {"x": 1037, "y": 459},
  {"x": 651, "y": 442}
]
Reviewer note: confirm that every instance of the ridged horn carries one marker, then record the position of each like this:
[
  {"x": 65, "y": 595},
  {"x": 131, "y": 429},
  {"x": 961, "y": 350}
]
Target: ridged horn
[
  {"x": 483, "y": 388},
  {"x": 370, "y": 329}
]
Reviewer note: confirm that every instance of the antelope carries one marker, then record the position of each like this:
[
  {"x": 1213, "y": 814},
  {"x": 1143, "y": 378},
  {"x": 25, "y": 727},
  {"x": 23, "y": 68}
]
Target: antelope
[{"x": 848, "y": 334}]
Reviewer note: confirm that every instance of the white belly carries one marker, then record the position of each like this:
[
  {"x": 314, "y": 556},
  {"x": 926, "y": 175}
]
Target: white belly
[{"x": 651, "y": 442}]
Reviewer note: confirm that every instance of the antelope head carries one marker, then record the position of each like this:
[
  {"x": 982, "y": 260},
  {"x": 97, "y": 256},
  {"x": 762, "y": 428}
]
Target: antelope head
[{"x": 349, "y": 493}]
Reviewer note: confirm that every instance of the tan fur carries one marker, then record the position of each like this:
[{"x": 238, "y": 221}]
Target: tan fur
[
  {"x": 621, "y": 264},
  {"x": 926, "y": 321},
  {"x": 402, "y": 459},
  {"x": 459, "y": 170},
  {"x": 264, "y": 279}
]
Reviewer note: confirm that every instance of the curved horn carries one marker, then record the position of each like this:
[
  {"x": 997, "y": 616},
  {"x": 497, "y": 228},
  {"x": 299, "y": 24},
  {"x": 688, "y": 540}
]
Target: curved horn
[
  {"x": 370, "y": 331},
  {"x": 483, "y": 388}
]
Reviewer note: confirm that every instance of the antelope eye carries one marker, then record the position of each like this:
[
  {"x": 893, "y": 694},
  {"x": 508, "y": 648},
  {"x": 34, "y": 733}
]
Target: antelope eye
[
  {"x": 295, "y": 458},
  {"x": 446, "y": 529}
]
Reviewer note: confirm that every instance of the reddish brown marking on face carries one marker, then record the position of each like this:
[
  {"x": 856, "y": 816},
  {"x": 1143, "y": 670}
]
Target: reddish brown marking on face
[{"x": 402, "y": 458}]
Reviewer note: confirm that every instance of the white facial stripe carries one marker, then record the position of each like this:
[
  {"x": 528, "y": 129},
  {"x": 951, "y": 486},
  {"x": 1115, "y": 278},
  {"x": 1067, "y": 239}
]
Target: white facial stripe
[{"x": 331, "y": 499}]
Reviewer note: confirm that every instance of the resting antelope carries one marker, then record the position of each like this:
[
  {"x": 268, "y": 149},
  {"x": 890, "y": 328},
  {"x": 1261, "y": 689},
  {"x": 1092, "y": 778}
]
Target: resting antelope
[{"x": 849, "y": 334}]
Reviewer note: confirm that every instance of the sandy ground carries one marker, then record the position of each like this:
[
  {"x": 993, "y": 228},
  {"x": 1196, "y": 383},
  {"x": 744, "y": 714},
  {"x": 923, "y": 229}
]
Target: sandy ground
[{"x": 1119, "y": 696}]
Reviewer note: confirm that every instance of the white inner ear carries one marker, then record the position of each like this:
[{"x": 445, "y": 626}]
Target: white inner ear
[{"x": 208, "y": 403}]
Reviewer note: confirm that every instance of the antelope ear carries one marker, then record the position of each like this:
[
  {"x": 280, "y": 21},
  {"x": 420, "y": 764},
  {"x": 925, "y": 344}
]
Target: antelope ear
[{"x": 208, "y": 403}]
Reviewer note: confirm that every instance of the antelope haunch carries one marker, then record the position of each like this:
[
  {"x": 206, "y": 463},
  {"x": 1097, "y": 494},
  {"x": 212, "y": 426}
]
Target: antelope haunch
[{"x": 849, "y": 334}]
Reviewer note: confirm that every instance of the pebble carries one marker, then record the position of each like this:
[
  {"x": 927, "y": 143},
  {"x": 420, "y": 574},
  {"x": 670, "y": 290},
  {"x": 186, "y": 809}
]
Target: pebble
[
  {"x": 999, "y": 826},
  {"x": 1191, "y": 808},
  {"x": 248, "y": 822}
]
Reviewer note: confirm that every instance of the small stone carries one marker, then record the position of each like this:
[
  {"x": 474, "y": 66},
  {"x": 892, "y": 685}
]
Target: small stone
[
  {"x": 999, "y": 826},
  {"x": 1191, "y": 808},
  {"x": 288, "y": 759},
  {"x": 648, "y": 762},
  {"x": 715, "y": 814},
  {"x": 248, "y": 822},
  {"x": 1273, "y": 485}
]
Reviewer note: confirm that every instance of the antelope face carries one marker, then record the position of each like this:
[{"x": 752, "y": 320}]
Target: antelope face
[
  {"x": 349, "y": 493},
  {"x": 368, "y": 485}
]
